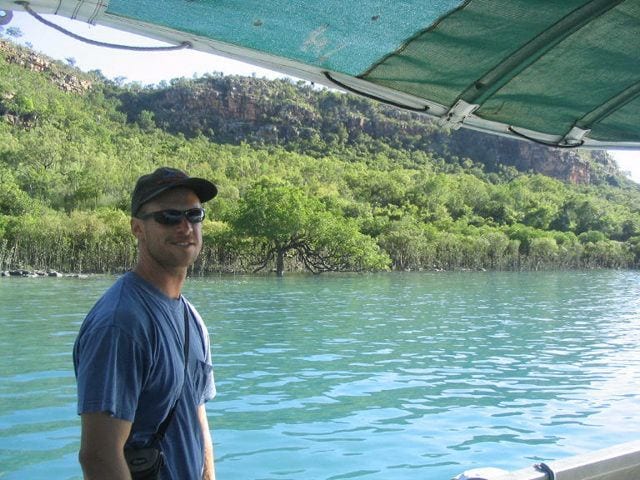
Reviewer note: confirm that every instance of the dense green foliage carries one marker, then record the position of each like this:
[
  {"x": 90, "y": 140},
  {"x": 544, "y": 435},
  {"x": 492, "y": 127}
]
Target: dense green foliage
[
  {"x": 69, "y": 159},
  {"x": 280, "y": 219}
]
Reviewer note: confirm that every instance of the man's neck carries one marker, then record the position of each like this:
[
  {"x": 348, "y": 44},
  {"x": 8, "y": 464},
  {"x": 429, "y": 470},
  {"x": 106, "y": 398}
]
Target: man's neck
[{"x": 168, "y": 282}]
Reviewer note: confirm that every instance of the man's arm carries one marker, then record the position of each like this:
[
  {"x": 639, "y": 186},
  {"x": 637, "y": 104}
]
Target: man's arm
[
  {"x": 102, "y": 447},
  {"x": 209, "y": 472}
]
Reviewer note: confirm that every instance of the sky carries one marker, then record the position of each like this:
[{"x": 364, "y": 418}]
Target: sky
[
  {"x": 144, "y": 67},
  {"x": 151, "y": 68}
]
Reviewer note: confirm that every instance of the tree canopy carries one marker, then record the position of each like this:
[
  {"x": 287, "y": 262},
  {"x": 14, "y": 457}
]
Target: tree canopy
[{"x": 279, "y": 219}]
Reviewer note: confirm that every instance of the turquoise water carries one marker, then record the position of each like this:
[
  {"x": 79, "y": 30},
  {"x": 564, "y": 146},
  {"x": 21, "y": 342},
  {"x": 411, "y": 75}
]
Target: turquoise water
[{"x": 389, "y": 376}]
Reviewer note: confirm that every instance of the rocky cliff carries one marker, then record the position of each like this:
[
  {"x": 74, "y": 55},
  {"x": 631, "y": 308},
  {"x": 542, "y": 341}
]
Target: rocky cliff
[{"x": 277, "y": 112}]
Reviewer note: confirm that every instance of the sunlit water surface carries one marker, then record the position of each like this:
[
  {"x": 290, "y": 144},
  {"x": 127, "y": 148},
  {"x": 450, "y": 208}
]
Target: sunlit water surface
[{"x": 388, "y": 376}]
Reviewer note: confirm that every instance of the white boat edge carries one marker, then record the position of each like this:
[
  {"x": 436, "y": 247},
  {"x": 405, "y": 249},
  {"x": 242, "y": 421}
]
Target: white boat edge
[{"x": 620, "y": 462}]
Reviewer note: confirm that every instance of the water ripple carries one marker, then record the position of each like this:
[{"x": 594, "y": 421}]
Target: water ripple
[{"x": 367, "y": 376}]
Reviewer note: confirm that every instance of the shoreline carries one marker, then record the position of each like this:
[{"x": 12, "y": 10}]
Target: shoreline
[{"x": 22, "y": 273}]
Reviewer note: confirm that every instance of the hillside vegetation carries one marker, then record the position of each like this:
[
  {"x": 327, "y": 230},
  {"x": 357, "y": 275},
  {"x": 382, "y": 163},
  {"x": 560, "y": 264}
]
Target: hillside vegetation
[{"x": 308, "y": 179}]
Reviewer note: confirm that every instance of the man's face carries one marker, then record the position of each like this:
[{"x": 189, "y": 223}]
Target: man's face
[{"x": 169, "y": 246}]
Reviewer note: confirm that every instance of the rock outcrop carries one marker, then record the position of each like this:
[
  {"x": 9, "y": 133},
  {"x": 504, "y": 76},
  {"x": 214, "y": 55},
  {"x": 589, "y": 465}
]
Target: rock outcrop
[{"x": 30, "y": 60}]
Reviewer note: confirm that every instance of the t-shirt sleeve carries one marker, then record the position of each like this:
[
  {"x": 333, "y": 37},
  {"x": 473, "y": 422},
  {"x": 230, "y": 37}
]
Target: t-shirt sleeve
[
  {"x": 209, "y": 386},
  {"x": 109, "y": 371},
  {"x": 209, "y": 391}
]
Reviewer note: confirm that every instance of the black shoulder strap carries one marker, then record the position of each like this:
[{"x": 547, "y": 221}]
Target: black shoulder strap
[{"x": 159, "y": 435}]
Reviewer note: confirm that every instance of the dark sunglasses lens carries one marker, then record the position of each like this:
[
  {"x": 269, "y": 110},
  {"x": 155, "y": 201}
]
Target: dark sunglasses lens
[
  {"x": 195, "y": 215},
  {"x": 168, "y": 217},
  {"x": 174, "y": 217}
]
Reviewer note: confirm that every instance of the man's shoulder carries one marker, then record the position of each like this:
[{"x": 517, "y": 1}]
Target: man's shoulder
[{"x": 118, "y": 306}]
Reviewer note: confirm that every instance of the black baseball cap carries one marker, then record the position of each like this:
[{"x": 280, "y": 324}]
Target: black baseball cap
[{"x": 165, "y": 178}]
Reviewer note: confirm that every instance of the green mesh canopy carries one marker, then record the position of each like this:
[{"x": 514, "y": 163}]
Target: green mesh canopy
[{"x": 563, "y": 72}]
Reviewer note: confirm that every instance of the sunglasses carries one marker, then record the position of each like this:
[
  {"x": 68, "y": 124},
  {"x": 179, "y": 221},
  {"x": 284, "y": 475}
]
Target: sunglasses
[{"x": 174, "y": 217}]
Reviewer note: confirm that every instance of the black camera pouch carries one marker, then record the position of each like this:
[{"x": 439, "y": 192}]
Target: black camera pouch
[{"x": 144, "y": 463}]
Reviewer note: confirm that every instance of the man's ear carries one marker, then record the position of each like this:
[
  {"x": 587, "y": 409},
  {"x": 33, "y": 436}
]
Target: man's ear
[{"x": 136, "y": 227}]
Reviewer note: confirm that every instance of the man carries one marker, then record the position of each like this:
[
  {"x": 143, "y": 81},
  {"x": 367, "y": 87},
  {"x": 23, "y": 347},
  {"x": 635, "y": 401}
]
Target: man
[{"x": 129, "y": 354}]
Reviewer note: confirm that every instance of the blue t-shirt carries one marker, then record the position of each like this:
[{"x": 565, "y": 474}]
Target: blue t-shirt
[{"x": 128, "y": 360}]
